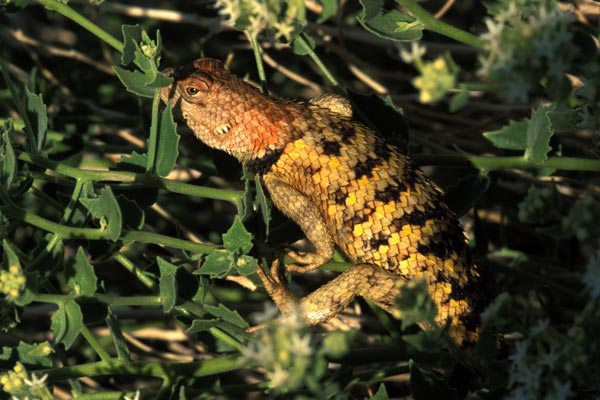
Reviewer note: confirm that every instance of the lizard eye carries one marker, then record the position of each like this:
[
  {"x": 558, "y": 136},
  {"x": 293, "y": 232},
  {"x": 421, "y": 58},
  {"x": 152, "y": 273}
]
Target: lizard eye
[{"x": 192, "y": 91}]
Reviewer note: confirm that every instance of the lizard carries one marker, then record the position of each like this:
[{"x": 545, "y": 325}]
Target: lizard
[{"x": 344, "y": 186}]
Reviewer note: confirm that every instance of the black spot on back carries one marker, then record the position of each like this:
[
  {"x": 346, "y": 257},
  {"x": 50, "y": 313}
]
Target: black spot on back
[
  {"x": 347, "y": 131},
  {"x": 458, "y": 292},
  {"x": 390, "y": 193},
  {"x": 331, "y": 148},
  {"x": 340, "y": 196},
  {"x": 436, "y": 249},
  {"x": 379, "y": 239},
  {"x": 352, "y": 218},
  {"x": 419, "y": 217},
  {"x": 366, "y": 168},
  {"x": 381, "y": 149}
]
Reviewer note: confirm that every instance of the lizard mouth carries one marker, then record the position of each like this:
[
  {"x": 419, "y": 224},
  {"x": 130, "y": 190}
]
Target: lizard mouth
[{"x": 222, "y": 129}]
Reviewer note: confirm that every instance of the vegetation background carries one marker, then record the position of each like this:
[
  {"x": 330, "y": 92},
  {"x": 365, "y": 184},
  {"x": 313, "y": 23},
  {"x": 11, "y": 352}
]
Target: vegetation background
[{"x": 129, "y": 252}]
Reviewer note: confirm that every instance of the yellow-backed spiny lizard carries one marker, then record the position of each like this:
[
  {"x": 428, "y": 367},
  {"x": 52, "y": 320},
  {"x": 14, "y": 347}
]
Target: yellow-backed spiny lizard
[{"x": 343, "y": 185}]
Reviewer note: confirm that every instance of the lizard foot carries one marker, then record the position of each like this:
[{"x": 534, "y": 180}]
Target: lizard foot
[
  {"x": 308, "y": 261},
  {"x": 277, "y": 289}
]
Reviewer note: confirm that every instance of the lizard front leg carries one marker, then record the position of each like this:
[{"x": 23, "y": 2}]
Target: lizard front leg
[{"x": 305, "y": 213}]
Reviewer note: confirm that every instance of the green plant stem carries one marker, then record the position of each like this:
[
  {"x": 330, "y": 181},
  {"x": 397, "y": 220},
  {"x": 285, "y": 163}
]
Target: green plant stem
[
  {"x": 106, "y": 396},
  {"x": 153, "y": 139},
  {"x": 435, "y": 25},
  {"x": 74, "y": 16},
  {"x": 225, "y": 337},
  {"x": 72, "y": 201},
  {"x": 156, "y": 369},
  {"x": 259, "y": 63},
  {"x": 111, "y": 300},
  {"x": 495, "y": 163},
  {"x": 134, "y": 270},
  {"x": 129, "y": 301},
  {"x": 91, "y": 339},
  {"x": 303, "y": 41},
  {"x": 481, "y": 86},
  {"x": 70, "y": 232},
  {"x": 232, "y": 196}
]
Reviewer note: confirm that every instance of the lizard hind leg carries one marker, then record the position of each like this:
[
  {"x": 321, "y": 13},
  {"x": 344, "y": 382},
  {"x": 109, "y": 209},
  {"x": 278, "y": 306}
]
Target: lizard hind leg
[{"x": 365, "y": 280}]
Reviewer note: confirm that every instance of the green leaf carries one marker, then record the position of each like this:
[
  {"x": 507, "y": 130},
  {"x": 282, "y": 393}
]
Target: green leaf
[
  {"x": 9, "y": 256},
  {"x": 133, "y": 216},
  {"x": 330, "y": 8},
  {"x": 66, "y": 323},
  {"x": 564, "y": 121},
  {"x": 336, "y": 344},
  {"x": 426, "y": 384},
  {"x": 80, "y": 213},
  {"x": 106, "y": 209},
  {"x": 217, "y": 264},
  {"x": 7, "y": 155},
  {"x": 226, "y": 315},
  {"x": 132, "y": 34},
  {"x": 80, "y": 274},
  {"x": 201, "y": 325},
  {"x": 511, "y": 137},
  {"x": 264, "y": 206},
  {"x": 538, "y": 135},
  {"x": 381, "y": 393},
  {"x": 302, "y": 45},
  {"x": 36, "y": 110},
  {"x": 415, "y": 304},
  {"x": 8, "y": 6},
  {"x": 35, "y": 354},
  {"x": 135, "y": 162},
  {"x": 237, "y": 239},
  {"x": 389, "y": 24},
  {"x": 458, "y": 101},
  {"x": 134, "y": 81},
  {"x": 46, "y": 262},
  {"x": 246, "y": 265},
  {"x": 432, "y": 339},
  {"x": 167, "y": 146},
  {"x": 559, "y": 88},
  {"x": 117, "y": 336},
  {"x": 10, "y": 315},
  {"x": 166, "y": 283}
]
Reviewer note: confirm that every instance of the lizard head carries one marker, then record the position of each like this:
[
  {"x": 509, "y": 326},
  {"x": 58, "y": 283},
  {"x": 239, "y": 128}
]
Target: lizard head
[{"x": 214, "y": 103}]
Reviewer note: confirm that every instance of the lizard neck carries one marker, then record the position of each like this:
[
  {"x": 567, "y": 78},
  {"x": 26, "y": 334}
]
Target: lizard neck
[{"x": 270, "y": 126}]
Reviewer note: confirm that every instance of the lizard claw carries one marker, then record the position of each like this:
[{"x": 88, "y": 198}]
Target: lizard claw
[
  {"x": 277, "y": 289},
  {"x": 309, "y": 261}
]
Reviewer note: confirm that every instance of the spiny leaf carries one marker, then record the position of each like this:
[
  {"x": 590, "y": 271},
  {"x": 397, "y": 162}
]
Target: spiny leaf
[
  {"x": 80, "y": 274},
  {"x": 106, "y": 209},
  {"x": 67, "y": 323},
  {"x": 510, "y": 137},
  {"x": 237, "y": 239},
  {"x": 167, "y": 284},
  {"x": 538, "y": 135},
  {"x": 167, "y": 148},
  {"x": 36, "y": 109},
  {"x": 389, "y": 24}
]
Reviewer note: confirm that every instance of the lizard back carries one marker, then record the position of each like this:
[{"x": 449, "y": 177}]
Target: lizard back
[{"x": 382, "y": 210}]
